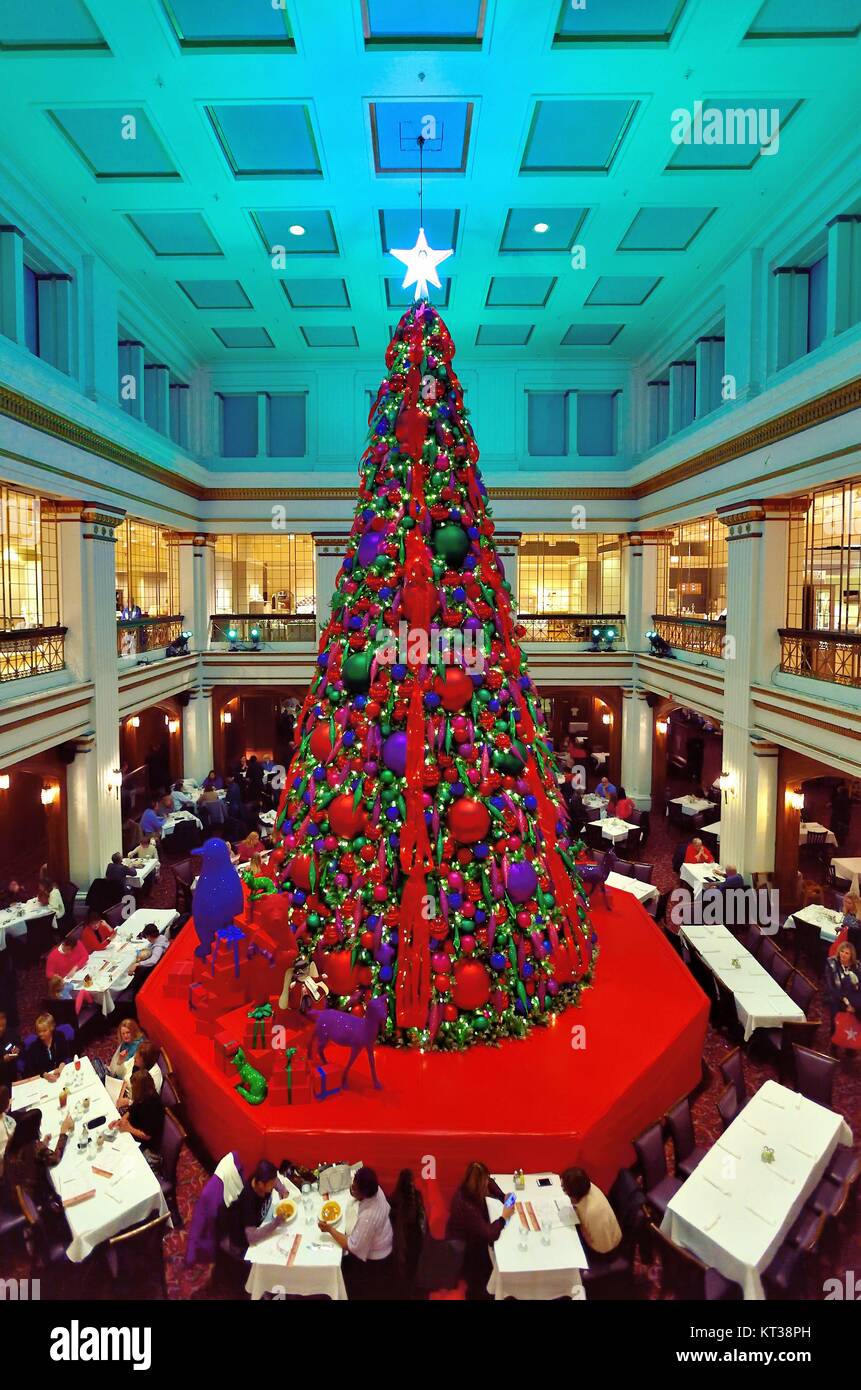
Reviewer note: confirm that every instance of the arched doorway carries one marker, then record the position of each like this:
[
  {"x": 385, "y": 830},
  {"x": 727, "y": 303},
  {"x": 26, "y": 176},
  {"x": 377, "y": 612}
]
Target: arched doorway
[
  {"x": 254, "y": 720},
  {"x": 687, "y": 751},
  {"x": 592, "y": 714}
]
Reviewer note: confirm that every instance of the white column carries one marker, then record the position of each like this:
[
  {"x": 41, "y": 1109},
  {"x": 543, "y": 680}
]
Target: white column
[
  {"x": 745, "y": 316},
  {"x": 329, "y": 551},
  {"x": 197, "y": 734},
  {"x": 196, "y": 585},
  {"x": 844, "y": 273},
  {"x": 130, "y": 389},
  {"x": 659, "y": 411},
  {"x": 637, "y": 736},
  {"x": 682, "y": 394},
  {"x": 640, "y": 584},
  {"x": 793, "y": 285},
  {"x": 179, "y": 414},
  {"x": 88, "y": 577},
  {"x": 756, "y": 594},
  {"x": 157, "y": 397},
  {"x": 12, "y": 283},
  {"x": 55, "y": 320},
  {"x": 710, "y": 370},
  {"x": 98, "y": 308}
]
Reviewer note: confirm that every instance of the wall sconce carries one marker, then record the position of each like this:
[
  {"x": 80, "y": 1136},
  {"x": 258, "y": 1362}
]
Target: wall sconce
[
  {"x": 726, "y": 785},
  {"x": 49, "y": 794},
  {"x": 606, "y": 718},
  {"x": 135, "y": 721},
  {"x": 173, "y": 726},
  {"x": 795, "y": 800},
  {"x": 226, "y": 717},
  {"x": 661, "y": 726},
  {"x": 4, "y": 781},
  {"x": 115, "y": 781}
]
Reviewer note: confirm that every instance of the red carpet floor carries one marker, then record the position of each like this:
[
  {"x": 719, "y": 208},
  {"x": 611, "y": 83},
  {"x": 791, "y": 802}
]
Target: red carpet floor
[{"x": 544, "y": 1103}]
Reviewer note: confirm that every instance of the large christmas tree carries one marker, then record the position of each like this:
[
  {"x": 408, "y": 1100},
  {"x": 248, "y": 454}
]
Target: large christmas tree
[{"x": 425, "y": 850}]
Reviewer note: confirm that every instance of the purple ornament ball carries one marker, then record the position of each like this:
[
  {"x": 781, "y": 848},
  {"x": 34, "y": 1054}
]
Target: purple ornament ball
[
  {"x": 522, "y": 881},
  {"x": 369, "y": 547},
  {"x": 395, "y": 753}
]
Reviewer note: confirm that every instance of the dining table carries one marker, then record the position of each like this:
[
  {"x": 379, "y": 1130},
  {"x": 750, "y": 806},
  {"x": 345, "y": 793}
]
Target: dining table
[
  {"x": 742, "y": 1199},
  {"x": 700, "y": 876},
  {"x": 759, "y": 1000},
  {"x": 812, "y": 827},
  {"x": 141, "y": 870},
  {"x": 825, "y": 919},
  {"x": 539, "y": 1254},
  {"x": 104, "y": 1188},
  {"x": 110, "y": 970},
  {"x": 177, "y": 818},
  {"x": 14, "y": 919},
  {"x": 692, "y": 805},
  {"x": 594, "y": 801},
  {"x": 849, "y": 869},
  {"x": 614, "y": 829},
  {"x": 299, "y": 1258},
  {"x": 645, "y": 893}
]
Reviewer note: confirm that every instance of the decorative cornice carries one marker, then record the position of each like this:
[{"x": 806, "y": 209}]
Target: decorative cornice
[
  {"x": 827, "y": 406},
  {"x": 742, "y": 517},
  {"x": 642, "y": 538}
]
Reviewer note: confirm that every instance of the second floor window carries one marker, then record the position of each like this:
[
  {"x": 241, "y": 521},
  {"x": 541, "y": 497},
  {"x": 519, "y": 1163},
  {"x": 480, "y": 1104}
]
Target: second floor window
[
  {"x": 692, "y": 570},
  {"x": 264, "y": 574},
  {"x": 30, "y": 569},
  {"x": 569, "y": 574},
  {"x": 824, "y": 580},
  {"x": 147, "y": 569}
]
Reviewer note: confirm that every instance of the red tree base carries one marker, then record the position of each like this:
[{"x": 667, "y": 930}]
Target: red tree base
[{"x": 543, "y": 1103}]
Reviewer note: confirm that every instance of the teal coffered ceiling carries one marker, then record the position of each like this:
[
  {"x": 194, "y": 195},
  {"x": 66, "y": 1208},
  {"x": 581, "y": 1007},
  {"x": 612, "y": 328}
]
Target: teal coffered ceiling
[{"x": 243, "y": 166}]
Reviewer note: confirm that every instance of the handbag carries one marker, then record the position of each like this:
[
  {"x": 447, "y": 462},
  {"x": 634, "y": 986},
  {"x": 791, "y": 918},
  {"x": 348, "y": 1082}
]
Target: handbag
[{"x": 847, "y": 1031}]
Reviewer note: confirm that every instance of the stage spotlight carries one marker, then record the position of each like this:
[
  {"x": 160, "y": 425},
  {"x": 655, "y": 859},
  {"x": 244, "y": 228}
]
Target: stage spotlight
[{"x": 657, "y": 645}]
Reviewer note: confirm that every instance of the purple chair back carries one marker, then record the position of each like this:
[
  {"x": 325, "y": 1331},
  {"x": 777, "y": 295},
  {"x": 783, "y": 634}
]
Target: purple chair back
[
  {"x": 802, "y": 991},
  {"x": 623, "y": 866},
  {"x": 649, "y": 1148},
  {"x": 814, "y": 1074},
  {"x": 681, "y": 1126},
  {"x": 732, "y": 1071},
  {"x": 643, "y": 872},
  {"x": 727, "y": 1104},
  {"x": 594, "y": 876},
  {"x": 779, "y": 969},
  {"x": 592, "y": 813}
]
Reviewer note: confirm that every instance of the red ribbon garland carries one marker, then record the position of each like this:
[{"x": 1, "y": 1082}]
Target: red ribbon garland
[{"x": 414, "y": 973}]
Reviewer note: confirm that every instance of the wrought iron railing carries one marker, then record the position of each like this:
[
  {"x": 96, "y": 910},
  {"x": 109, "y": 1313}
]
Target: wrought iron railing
[
  {"x": 702, "y": 635},
  {"x": 138, "y": 635},
  {"x": 263, "y": 627},
  {"x": 573, "y": 627},
  {"x": 31, "y": 651},
  {"x": 823, "y": 656}
]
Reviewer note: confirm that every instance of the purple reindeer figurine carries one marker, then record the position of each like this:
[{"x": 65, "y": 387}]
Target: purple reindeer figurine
[
  {"x": 332, "y": 1025},
  {"x": 596, "y": 876}
]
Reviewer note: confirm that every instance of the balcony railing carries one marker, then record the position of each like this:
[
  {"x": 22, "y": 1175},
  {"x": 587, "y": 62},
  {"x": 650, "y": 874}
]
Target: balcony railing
[
  {"x": 268, "y": 627},
  {"x": 136, "y": 636},
  {"x": 823, "y": 656},
  {"x": 705, "y": 636},
  {"x": 571, "y": 627},
  {"x": 31, "y": 651}
]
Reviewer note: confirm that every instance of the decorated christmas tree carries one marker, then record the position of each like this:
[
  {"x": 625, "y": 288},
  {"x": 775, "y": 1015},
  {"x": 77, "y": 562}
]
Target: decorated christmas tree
[{"x": 424, "y": 850}]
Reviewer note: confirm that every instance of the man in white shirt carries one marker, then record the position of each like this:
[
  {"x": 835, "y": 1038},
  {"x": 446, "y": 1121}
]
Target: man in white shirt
[{"x": 368, "y": 1248}]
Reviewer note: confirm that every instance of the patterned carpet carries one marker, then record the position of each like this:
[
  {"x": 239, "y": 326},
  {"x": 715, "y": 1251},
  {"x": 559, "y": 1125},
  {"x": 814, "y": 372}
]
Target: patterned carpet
[{"x": 842, "y": 1250}]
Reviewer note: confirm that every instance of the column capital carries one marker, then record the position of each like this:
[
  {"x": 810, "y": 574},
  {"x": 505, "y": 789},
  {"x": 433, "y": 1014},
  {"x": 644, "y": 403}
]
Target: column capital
[
  {"x": 638, "y": 539},
  {"x": 198, "y": 539},
  {"x": 101, "y": 517},
  {"x": 331, "y": 542},
  {"x": 744, "y": 520},
  {"x": 85, "y": 744}
]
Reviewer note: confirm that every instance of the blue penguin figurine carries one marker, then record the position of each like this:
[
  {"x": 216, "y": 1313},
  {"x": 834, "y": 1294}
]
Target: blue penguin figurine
[{"x": 218, "y": 897}]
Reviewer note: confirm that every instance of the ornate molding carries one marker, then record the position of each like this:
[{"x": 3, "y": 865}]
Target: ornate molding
[
  {"x": 638, "y": 539},
  {"x": 742, "y": 517}
]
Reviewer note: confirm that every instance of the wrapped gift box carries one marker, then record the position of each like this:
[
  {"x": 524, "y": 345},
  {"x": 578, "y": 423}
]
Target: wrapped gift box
[
  {"x": 326, "y": 1079},
  {"x": 225, "y": 1045},
  {"x": 178, "y": 980},
  {"x": 293, "y": 1088}
]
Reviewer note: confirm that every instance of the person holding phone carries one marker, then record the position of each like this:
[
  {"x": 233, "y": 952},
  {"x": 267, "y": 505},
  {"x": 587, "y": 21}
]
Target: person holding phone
[
  {"x": 10, "y": 1051},
  {"x": 469, "y": 1221}
]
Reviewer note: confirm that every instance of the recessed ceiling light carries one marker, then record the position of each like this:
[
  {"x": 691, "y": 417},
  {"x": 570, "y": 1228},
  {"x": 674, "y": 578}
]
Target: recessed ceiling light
[
  {"x": 297, "y": 230},
  {"x": 541, "y": 227}
]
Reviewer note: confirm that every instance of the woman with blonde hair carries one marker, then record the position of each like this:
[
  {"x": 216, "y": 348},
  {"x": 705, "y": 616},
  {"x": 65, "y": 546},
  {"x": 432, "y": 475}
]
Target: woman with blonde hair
[
  {"x": 129, "y": 1038},
  {"x": 247, "y": 848},
  {"x": 842, "y": 983},
  {"x": 468, "y": 1221}
]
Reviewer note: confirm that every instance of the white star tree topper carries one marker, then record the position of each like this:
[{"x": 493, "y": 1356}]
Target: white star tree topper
[{"x": 421, "y": 262}]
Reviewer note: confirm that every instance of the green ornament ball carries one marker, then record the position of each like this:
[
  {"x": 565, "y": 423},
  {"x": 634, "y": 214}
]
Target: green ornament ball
[
  {"x": 356, "y": 672},
  {"x": 511, "y": 760},
  {"x": 451, "y": 543},
  {"x": 333, "y": 696}
]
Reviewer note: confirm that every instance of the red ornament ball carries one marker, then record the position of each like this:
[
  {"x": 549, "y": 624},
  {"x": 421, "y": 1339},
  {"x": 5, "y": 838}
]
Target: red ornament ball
[
  {"x": 454, "y": 689},
  {"x": 468, "y": 821},
  {"x": 471, "y": 989},
  {"x": 320, "y": 742},
  {"x": 342, "y": 976},
  {"x": 299, "y": 872},
  {"x": 345, "y": 819}
]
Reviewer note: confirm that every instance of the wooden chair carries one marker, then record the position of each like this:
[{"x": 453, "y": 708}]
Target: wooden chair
[
  {"x": 135, "y": 1258},
  {"x": 686, "y": 1277}
]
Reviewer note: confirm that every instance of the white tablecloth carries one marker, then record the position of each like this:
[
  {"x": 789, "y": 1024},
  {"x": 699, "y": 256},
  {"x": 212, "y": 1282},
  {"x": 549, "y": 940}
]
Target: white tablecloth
[
  {"x": 828, "y": 922},
  {"x": 600, "y": 756},
  {"x": 317, "y": 1266},
  {"x": 594, "y": 801},
  {"x": 692, "y": 805},
  {"x": 713, "y": 829},
  {"x": 759, "y": 1000},
  {"x": 267, "y": 817},
  {"x": 524, "y": 1266},
  {"x": 13, "y": 920},
  {"x": 698, "y": 876},
  {"x": 803, "y": 829},
  {"x": 848, "y": 868},
  {"x": 734, "y": 1211},
  {"x": 643, "y": 892},
  {"x": 111, "y": 969},
  {"x": 141, "y": 870},
  {"x": 176, "y": 819},
  {"x": 614, "y": 829},
  {"x": 132, "y": 1194},
  {"x": 161, "y": 917}
]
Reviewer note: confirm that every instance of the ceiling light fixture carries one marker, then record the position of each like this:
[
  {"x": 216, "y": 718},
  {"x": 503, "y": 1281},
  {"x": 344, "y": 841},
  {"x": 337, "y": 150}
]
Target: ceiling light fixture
[
  {"x": 541, "y": 228},
  {"x": 297, "y": 229}
]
